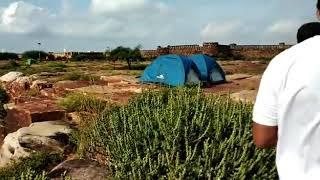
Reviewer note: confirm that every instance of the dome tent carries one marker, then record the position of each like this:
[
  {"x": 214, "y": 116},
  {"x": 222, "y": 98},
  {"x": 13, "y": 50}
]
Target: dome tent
[
  {"x": 210, "y": 71},
  {"x": 173, "y": 70}
]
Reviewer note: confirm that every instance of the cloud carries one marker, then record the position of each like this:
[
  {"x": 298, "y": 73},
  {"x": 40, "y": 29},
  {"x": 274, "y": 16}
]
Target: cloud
[
  {"x": 22, "y": 17},
  {"x": 128, "y": 8},
  {"x": 222, "y": 31},
  {"x": 111, "y": 6},
  {"x": 284, "y": 26}
]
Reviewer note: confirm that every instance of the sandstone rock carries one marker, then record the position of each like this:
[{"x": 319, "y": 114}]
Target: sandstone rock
[
  {"x": 80, "y": 170},
  {"x": 74, "y": 118},
  {"x": 11, "y": 76},
  {"x": 24, "y": 81},
  {"x": 40, "y": 84},
  {"x": 48, "y": 137},
  {"x": 24, "y": 114},
  {"x": 245, "y": 96},
  {"x": 95, "y": 89},
  {"x": 238, "y": 77}
]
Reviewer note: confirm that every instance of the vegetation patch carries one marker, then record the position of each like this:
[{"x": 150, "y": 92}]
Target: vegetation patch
[
  {"x": 179, "y": 134},
  {"x": 78, "y": 76},
  {"x": 82, "y": 103},
  {"x": 30, "y": 168}
]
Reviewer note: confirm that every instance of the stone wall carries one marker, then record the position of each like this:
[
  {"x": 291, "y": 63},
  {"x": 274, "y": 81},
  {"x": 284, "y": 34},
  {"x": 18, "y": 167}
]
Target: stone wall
[
  {"x": 218, "y": 50},
  {"x": 257, "y": 51}
]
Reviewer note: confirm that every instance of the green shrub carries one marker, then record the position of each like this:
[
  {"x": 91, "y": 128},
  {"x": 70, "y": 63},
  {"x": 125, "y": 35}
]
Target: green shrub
[
  {"x": 56, "y": 67},
  {"x": 180, "y": 134},
  {"x": 3, "y": 95},
  {"x": 79, "y": 102},
  {"x": 30, "y": 168},
  {"x": 34, "y": 54},
  {"x": 78, "y": 76},
  {"x": 8, "y": 56}
]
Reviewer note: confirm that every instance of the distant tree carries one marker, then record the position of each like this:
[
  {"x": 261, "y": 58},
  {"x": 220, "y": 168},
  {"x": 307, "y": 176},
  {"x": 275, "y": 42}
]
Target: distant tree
[
  {"x": 51, "y": 57},
  {"x": 8, "y": 56},
  {"x": 92, "y": 56},
  {"x": 127, "y": 54},
  {"x": 33, "y": 54}
]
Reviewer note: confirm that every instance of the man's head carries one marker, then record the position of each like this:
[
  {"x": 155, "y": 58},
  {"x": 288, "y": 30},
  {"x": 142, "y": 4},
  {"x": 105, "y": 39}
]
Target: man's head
[{"x": 308, "y": 30}]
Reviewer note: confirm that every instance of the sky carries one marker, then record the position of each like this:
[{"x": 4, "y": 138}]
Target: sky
[{"x": 96, "y": 25}]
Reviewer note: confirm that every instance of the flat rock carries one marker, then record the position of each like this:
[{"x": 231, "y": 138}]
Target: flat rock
[
  {"x": 11, "y": 76},
  {"x": 49, "y": 137},
  {"x": 119, "y": 79},
  {"x": 245, "y": 96},
  {"x": 238, "y": 77},
  {"x": 80, "y": 170},
  {"x": 96, "y": 89},
  {"x": 40, "y": 84}
]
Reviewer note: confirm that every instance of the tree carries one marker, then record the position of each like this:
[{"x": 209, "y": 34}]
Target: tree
[
  {"x": 127, "y": 54},
  {"x": 34, "y": 54},
  {"x": 8, "y": 56}
]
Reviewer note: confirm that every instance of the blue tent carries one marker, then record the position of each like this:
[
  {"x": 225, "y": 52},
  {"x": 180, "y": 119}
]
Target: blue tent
[
  {"x": 173, "y": 70},
  {"x": 210, "y": 70}
]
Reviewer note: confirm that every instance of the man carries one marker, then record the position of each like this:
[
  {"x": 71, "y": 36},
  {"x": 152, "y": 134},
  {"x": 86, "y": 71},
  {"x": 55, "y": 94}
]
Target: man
[
  {"x": 287, "y": 110},
  {"x": 307, "y": 31}
]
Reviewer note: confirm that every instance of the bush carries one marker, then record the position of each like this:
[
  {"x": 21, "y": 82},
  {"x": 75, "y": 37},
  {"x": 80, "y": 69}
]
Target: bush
[
  {"x": 3, "y": 95},
  {"x": 79, "y": 102},
  {"x": 180, "y": 134},
  {"x": 78, "y": 76},
  {"x": 8, "y": 56},
  {"x": 84, "y": 57},
  {"x": 34, "y": 54},
  {"x": 57, "y": 66},
  {"x": 33, "y": 166}
]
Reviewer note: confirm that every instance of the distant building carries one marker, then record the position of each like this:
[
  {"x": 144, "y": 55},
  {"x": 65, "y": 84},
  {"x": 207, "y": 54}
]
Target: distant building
[{"x": 71, "y": 54}]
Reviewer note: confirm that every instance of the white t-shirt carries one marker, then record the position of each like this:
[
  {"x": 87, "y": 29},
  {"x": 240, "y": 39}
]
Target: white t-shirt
[{"x": 289, "y": 97}]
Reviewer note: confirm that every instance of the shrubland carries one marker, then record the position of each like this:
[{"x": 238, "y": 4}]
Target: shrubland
[{"x": 177, "y": 134}]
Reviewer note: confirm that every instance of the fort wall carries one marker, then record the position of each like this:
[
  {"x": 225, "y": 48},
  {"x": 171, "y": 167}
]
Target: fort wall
[{"x": 217, "y": 50}]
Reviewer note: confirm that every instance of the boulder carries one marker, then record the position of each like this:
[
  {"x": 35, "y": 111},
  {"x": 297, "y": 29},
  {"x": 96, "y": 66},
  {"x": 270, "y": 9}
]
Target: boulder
[
  {"x": 24, "y": 81},
  {"x": 40, "y": 84},
  {"x": 24, "y": 114},
  {"x": 80, "y": 170},
  {"x": 11, "y": 76},
  {"x": 47, "y": 137}
]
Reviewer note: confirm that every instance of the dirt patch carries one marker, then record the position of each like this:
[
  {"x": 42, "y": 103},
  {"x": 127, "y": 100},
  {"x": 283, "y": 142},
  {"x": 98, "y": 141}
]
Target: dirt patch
[
  {"x": 243, "y": 67},
  {"x": 237, "y": 85}
]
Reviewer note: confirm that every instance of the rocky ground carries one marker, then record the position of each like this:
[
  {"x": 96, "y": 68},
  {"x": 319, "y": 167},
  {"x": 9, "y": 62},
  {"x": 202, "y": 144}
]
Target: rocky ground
[{"x": 35, "y": 122}]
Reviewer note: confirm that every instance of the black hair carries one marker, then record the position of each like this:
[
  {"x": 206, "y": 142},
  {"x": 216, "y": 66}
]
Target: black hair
[
  {"x": 318, "y": 5},
  {"x": 308, "y": 30}
]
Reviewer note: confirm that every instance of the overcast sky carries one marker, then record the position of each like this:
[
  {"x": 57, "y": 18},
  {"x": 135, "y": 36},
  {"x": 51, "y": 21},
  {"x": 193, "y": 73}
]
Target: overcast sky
[{"x": 84, "y": 25}]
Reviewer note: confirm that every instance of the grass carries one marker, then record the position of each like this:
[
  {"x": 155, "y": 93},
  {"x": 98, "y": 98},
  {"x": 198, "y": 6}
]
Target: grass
[
  {"x": 82, "y": 103},
  {"x": 78, "y": 76},
  {"x": 177, "y": 134},
  {"x": 30, "y": 168}
]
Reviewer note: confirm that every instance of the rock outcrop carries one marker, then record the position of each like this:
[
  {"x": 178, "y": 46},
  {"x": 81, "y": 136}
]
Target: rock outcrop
[
  {"x": 48, "y": 137},
  {"x": 10, "y": 77},
  {"x": 24, "y": 114},
  {"x": 80, "y": 170}
]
